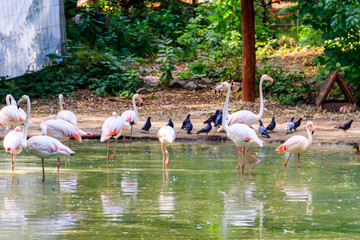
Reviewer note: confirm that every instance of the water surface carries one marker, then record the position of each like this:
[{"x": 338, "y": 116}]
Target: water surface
[{"x": 201, "y": 196}]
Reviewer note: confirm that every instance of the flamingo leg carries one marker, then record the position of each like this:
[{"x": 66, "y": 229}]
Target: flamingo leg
[
  {"x": 298, "y": 160},
  {"x": 244, "y": 158},
  {"x": 258, "y": 160},
  {"x": 58, "y": 164},
  {"x": 239, "y": 160},
  {"x": 12, "y": 161},
  {"x": 287, "y": 160},
  {"x": 130, "y": 136},
  {"x": 163, "y": 153},
  {"x": 168, "y": 158},
  {"x": 124, "y": 142},
  {"x": 43, "y": 169},
  {"x": 108, "y": 153},
  {"x": 115, "y": 151}
]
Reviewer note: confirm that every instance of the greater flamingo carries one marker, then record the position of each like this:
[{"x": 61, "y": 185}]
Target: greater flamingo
[
  {"x": 166, "y": 135},
  {"x": 41, "y": 146},
  {"x": 12, "y": 144},
  {"x": 11, "y": 115},
  {"x": 297, "y": 144},
  {"x": 131, "y": 117},
  {"x": 66, "y": 114},
  {"x": 240, "y": 134},
  {"x": 247, "y": 117},
  {"x": 112, "y": 127}
]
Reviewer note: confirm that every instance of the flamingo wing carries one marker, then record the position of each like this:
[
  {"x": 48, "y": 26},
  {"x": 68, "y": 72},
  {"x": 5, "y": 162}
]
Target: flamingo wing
[
  {"x": 68, "y": 116},
  {"x": 130, "y": 116},
  {"x": 45, "y": 147},
  {"x": 61, "y": 130},
  {"x": 112, "y": 126},
  {"x": 296, "y": 144},
  {"x": 166, "y": 135},
  {"x": 245, "y": 117},
  {"x": 12, "y": 142}
]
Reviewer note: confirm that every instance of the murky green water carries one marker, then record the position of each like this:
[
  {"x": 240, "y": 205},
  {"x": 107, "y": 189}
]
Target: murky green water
[{"x": 202, "y": 196}]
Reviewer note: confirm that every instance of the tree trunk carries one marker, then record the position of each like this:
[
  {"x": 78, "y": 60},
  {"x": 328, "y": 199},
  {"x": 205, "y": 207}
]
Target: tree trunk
[{"x": 249, "y": 58}]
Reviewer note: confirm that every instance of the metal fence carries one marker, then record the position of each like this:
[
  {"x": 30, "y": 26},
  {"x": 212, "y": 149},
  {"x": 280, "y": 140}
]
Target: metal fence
[{"x": 29, "y": 31}]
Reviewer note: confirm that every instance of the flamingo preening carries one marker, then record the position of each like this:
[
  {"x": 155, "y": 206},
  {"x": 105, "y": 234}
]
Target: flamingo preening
[
  {"x": 41, "y": 146},
  {"x": 12, "y": 144},
  {"x": 248, "y": 117},
  {"x": 166, "y": 135},
  {"x": 66, "y": 114},
  {"x": 297, "y": 144},
  {"x": 240, "y": 134},
  {"x": 112, "y": 127},
  {"x": 131, "y": 117},
  {"x": 11, "y": 115}
]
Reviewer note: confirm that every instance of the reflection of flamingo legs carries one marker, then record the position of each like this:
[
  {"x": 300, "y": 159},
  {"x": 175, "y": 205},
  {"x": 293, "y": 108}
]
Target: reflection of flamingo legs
[{"x": 115, "y": 152}]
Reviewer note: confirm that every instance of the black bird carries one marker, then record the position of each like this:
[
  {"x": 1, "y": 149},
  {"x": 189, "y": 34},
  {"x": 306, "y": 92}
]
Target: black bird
[
  {"x": 147, "y": 125},
  {"x": 218, "y": 120},
  {"x": 213, "y": 117},
  {"x": 345, "y": 126},
  {"x": 297, "y": 124},
  {"x": 272, "y": 125},
  {"x": 262, "y": 130},
  {"x": 188, "y": 127},
  {"x": 187, "y": 119},
  {"x": 171, "y": 124},
  {"x": 206, "y": 129}
]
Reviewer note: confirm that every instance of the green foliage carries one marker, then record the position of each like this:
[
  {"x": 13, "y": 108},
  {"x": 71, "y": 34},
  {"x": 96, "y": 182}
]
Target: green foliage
[
  {"x": 339, "y": 24},
  {"x": 167, "y": 58}
]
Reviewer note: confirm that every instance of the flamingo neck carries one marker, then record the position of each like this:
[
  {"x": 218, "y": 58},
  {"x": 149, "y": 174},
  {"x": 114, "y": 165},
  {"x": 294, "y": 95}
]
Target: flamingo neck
[
  {"x": 60, "y": 102},
  {"x": 26, "y": 124},
  {"x": 309, "y": 136},
  {"x": 225, "y": 112},
  {"x": 134, "y": 103},
  {"x": 261, "y": 112},
  {"x": 8, "y": 97}
]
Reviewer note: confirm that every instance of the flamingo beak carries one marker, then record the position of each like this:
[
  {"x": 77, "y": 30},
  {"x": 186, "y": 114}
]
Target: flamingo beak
[
  {"x": 271, "y": 79},
  {"x": 312, "y": 130}
]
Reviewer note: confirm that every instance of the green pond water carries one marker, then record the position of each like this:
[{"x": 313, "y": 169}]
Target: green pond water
[{"x": 201, "y": 196}]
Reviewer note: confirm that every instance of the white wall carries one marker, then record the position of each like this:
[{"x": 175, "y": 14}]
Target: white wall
[{"x": 29, "y": 30}]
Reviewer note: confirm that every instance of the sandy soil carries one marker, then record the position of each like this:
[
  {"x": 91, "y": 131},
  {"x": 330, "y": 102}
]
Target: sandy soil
[{"x": 164, "y": 104}]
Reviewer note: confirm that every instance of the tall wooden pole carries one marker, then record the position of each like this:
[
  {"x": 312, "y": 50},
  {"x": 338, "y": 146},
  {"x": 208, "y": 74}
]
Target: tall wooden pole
[{"x": 249, "y": 58}]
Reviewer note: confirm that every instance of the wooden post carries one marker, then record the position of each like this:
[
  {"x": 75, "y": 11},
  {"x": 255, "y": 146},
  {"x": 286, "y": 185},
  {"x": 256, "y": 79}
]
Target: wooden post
[{"x": 249, "y": 58}]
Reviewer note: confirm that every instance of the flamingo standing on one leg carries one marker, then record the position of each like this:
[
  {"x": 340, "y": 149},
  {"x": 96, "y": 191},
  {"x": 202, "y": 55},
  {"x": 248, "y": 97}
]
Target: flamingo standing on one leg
[
  {"x": 112, "y": 127},
  {"x": 41, "y": 146},
  {"x": 240, "y": 134},
  {"x": 166, "y": 135},
  {"x": 131, "y": 116},
  {"x": 12, "y": 144},
  {"x": 66, "y": 114},
  {"x": 297, "y": 144},
  {"x": 11, "y": 115},
  {"x": 248, "y": 117}
]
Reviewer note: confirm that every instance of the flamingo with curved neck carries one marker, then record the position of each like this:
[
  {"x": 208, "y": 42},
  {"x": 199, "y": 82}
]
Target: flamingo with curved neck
[
  {"x": 9, "y": 98},
  {"x": 248, "y": 117},
  {"x": 66, "y": 114},
  {"x": 11, "y": 115},
  {"x": 241, "y": 134},
  {"x": 41, "y": 146},
  {"x": 131, "y": 117},
  {"x": 297, "y": 144}
]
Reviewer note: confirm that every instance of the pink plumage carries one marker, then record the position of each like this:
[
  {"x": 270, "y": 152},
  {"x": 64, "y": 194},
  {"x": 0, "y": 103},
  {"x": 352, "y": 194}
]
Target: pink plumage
[
  {"x": 66, "y": 114},
  {"x": 112, "y": 127},
  {"x": 60, "y": 129},
  {"x": 166, "y": 135},
  {"x": 297, "y": 144}
]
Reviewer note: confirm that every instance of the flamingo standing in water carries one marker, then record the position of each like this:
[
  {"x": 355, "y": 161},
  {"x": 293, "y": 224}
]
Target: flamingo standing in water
[
  {"x": 12, "y": 144},
  {"x": 41, "y": 146},
  {"x": 112, "y": 127},
  {"x": 247, "y": 117},
  {"x": 66, "y": 114},
  {"x": 240, "y": 134},
  {"x": 166, "y": 135},
  {"x": 11, "y": 115},
  {"x": 297, "y": 144},
  {"x": 131, "y": 117}
]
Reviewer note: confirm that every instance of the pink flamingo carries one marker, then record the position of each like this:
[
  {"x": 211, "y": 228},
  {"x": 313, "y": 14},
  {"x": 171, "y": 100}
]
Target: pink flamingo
[
  {"x": 247, "y": 117},
  {"x": 11, "y": 115},
  {"x": 240, "y": 134},
  {"x": 12, "y": 144},
  {"x": 166, "y": 135},
  {"x": 66, "y": 114},
  {"x": 297, "y": 144},
  {"x": 41, "y": 146},
  {"x": 131, "y": 117},
  {"x": 112, "y": 127}
]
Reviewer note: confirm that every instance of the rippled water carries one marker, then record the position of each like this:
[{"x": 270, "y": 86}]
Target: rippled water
[{"x": 201, "y": 196}]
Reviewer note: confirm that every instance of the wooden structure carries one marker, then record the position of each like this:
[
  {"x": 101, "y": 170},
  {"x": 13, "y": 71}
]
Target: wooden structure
[{"x": 335, "y": 105}]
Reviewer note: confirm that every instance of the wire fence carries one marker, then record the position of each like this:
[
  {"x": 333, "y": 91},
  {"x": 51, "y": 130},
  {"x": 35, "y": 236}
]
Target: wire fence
[{"x": 29, "y": 31}]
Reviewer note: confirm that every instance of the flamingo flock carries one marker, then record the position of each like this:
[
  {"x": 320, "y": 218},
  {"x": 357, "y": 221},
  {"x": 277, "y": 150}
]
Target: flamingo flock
[{"x": 58, "y": 129}]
